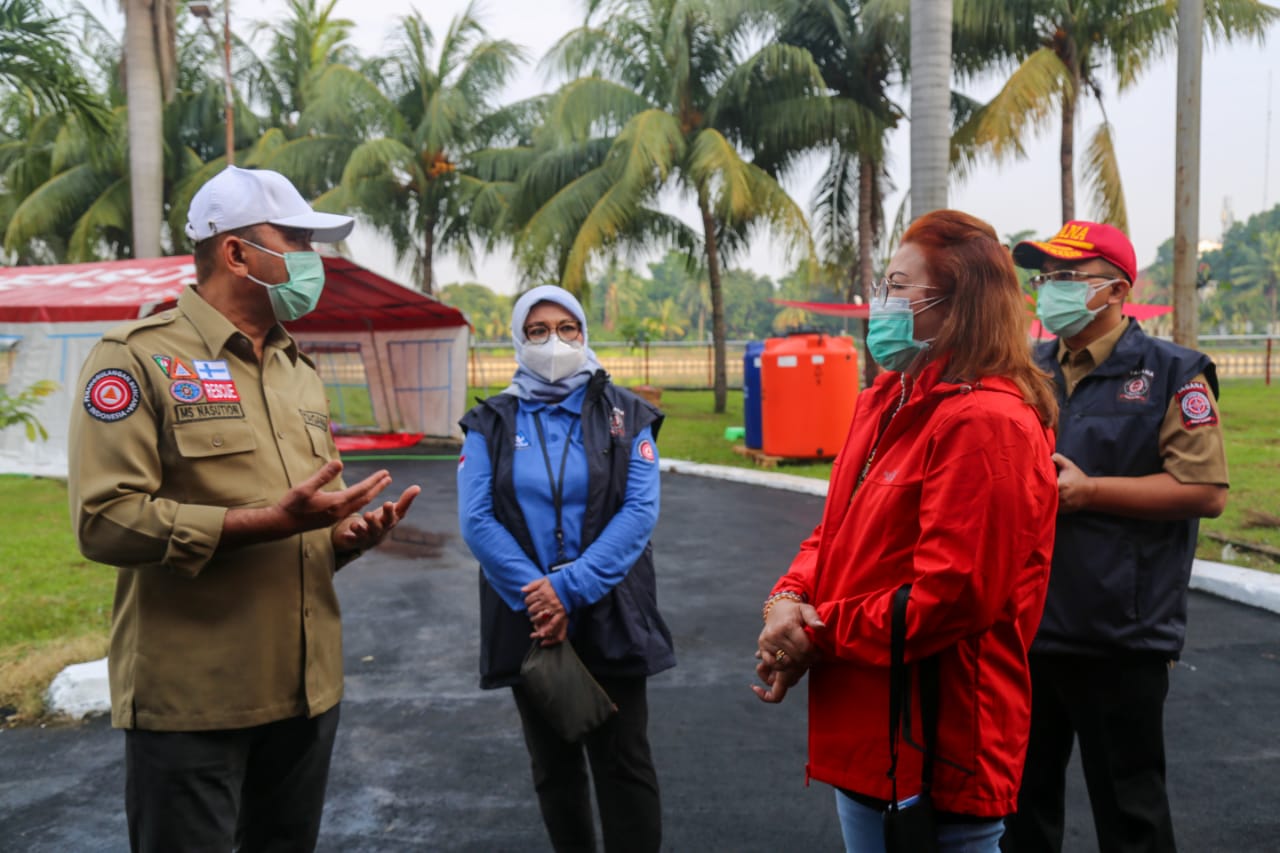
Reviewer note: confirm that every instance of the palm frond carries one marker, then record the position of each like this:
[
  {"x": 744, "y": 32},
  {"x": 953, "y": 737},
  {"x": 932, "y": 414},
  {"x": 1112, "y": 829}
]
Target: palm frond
[
  {"x": 108, "y": 215},
  {"x": 1102, "y": 176},
  {"x": 1026, "y": 103}
]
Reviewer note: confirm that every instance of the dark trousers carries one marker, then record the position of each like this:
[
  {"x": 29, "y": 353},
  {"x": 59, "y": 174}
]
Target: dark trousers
[
  {"x": 251, "y": 790},
  {"x": 626, "y": 784},
  {"x": 1115, "y": 707}
]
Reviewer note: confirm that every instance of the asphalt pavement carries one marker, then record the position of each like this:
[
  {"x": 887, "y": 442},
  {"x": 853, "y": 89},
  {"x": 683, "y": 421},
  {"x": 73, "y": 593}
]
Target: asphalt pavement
[{"x": 427, "y": 761}]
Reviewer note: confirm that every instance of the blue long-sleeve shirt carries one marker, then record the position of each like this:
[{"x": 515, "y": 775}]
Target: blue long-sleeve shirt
[{"x": 590, "y": 573}]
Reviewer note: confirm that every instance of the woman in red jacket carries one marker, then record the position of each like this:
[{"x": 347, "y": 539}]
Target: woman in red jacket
[{"x": 945, "y": 483}]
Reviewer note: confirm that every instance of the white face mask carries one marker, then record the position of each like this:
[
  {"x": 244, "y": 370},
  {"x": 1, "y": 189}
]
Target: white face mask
[{"x": 553, "y": 359}]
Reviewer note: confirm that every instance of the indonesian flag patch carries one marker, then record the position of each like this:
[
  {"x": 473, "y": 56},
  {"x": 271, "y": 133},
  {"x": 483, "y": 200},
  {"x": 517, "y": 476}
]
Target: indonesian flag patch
[{"x": 1193, "y": 402}]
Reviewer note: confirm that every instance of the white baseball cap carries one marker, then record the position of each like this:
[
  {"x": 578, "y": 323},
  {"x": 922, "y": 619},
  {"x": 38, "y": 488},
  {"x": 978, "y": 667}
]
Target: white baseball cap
[{"x": 235, "y": 198}]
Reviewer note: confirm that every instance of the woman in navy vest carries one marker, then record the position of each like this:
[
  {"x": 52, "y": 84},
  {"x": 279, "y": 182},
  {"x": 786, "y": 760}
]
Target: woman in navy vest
[{"x": 557, "y": 498}]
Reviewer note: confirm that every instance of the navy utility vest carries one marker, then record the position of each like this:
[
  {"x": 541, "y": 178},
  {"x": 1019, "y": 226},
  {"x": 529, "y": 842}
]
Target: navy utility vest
[
  {"x": 622, "y": 634},
  {"x": 1120, "y": 584}
]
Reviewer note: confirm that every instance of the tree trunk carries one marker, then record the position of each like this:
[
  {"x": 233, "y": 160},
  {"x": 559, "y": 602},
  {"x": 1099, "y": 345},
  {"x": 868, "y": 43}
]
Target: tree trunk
[
  {"x": 1066, "y": 152},
  {"x": 930, "y": 104},
  {"x": 867, "y": 169},
  {"x": 428, "y": 257},
  {"x": 145, "y": 98},
  {"x": 720, "y": 377}
]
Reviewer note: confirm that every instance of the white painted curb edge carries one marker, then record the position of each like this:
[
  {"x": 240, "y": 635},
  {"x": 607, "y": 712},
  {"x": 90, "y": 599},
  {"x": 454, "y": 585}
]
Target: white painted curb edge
[{"x": 81, "y": 689}]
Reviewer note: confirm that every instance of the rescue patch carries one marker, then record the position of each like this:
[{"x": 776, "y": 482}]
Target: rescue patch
[
  {"x": 221, "y": 392},
  {"x": 111, "y": 395},
  {"x": 646, "y": 450},
  {"x": 319, "y": 420},
  {"x": 521, "y": 441},
  {"x": 213, "y": 370},
  {"x": 207, "y": 412},
  {"x": 617, "y": 423},
  {"x": 1193, "y": 401},
  {"x": 186, "y": 391}
]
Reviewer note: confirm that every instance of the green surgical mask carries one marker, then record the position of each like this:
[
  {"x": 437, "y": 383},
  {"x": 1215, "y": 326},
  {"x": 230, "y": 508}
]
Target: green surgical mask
[
  {"x": 1063, "y": 306},
  {"x": 891, "y": 332},
  {"x": 298, "y": 295}
]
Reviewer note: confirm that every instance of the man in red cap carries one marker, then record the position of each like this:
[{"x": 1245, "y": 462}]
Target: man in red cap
[{"x": 1140, "y": 460}]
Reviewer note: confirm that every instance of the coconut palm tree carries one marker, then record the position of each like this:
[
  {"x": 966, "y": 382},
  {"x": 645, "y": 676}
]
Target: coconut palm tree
[
  {"x": 400, "y": 131},
  {"x": 34, "y": 58},
  {"x": 930, "y": 107},
  {"x": 150, "y": 71},
  {"x": 662, "y": 94},
  {"x": 1259, "y": 273},
  {"x": 306, "y": 43},
  {"x": 1061, "y": 52}
]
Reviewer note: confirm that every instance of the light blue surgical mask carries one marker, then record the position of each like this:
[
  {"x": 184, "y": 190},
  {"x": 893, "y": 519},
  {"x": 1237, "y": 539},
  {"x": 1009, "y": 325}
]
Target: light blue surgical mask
[
  {"x": 300, "y": 292},
  {"x": 1063, "y": 305},
  {"x": 891, "y": 331}
]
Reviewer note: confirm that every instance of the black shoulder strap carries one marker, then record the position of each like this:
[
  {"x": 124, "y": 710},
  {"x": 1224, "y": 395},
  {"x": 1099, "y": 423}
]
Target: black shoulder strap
[{"x": 900, "y": 696}]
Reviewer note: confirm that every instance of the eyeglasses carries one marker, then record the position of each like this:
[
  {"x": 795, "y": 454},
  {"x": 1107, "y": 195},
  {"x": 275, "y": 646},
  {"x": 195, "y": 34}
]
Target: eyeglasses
[
  {"x": 1066, "y": 275},
  {"x": 886, "y": 287},
  {"x": 538, "y": 333}
]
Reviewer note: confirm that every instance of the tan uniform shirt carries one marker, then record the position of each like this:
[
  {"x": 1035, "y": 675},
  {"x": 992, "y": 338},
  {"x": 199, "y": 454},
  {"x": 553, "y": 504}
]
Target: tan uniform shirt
[
  {"x": 178, "y": 423},
  {"x": 1190, "y": 455}
]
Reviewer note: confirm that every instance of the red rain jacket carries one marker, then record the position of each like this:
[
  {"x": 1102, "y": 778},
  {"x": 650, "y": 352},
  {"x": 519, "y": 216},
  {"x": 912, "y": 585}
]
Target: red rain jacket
[{"x": 959, "y": 501}]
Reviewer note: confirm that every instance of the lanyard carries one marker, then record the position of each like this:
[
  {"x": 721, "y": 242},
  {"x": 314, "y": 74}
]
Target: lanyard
[{"x": 557, "y": 487}]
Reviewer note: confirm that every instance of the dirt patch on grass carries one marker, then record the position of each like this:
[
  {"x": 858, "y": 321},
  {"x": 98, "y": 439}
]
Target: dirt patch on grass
[{"x": 27, "y": 670}]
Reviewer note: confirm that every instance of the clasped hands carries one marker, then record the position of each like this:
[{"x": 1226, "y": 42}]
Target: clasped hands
[
  {"x": 785, "y": 651},
  {"x": 546, "y": 612}
]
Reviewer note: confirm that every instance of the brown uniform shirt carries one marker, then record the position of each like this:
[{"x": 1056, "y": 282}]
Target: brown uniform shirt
[
  {"x": 179, "y": 422},
  {"x": 1190, "y": 455}
]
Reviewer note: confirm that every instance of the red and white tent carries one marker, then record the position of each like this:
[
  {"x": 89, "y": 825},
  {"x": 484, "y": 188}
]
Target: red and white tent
[{"x": 393, "y": 359}]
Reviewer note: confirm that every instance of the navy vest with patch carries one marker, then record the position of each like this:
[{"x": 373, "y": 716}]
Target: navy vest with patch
[
  {"x": 1120, "y": 584},
  {"x": 622, "y": 634}
]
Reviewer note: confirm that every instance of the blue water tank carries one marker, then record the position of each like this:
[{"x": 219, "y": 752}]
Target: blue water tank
[{"x": 752, "y": 415}]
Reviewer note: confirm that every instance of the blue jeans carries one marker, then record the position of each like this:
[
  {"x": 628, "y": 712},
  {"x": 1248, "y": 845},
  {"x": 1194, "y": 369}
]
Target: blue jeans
[{"x": 863, "y": 830}]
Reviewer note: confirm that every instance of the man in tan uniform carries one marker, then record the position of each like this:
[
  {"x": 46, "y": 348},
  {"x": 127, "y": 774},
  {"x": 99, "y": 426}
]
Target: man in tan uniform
[
  {"x": 1140, "y": 460},
  {"x": 202, "y": 466}
]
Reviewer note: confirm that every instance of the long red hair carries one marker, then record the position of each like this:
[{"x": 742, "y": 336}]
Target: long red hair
[{"x": 985, "y": 333}]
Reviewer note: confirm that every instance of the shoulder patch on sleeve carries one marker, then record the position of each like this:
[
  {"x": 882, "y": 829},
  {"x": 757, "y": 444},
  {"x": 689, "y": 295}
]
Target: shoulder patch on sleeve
[
  {"x": 111, "y": 395},
  {"x": 646, "y": 451},
  {"x": 1194, "y": 404}
]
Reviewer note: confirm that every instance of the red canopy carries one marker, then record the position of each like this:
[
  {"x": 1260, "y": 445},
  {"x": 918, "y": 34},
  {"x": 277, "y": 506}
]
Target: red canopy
[
  {"x": 833, "y": 309},
  {"x": 124, "y": 290}
]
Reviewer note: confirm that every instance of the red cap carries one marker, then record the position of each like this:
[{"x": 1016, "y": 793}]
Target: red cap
[{"x": 1077, "y": 241}]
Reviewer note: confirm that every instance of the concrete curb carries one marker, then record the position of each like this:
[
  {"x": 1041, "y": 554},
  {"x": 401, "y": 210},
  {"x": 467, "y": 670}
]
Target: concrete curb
[{"x": 81, "y": 690}]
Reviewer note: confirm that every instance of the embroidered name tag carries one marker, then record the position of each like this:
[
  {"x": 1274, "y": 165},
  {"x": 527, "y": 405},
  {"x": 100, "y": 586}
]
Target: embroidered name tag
[
  {"x": 319, "y": 420},
  {"x": 207, "y": 411}
]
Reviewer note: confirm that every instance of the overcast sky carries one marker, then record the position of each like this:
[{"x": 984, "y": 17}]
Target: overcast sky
[{"x": 1239, "y": 91}]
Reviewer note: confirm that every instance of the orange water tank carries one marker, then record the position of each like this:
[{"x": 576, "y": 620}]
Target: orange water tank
[{"x": 808, "y": 384}]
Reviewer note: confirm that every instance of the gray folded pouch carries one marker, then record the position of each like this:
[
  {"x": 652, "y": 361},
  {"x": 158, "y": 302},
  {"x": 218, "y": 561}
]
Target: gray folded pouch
[{"x": 562, "y": 689}]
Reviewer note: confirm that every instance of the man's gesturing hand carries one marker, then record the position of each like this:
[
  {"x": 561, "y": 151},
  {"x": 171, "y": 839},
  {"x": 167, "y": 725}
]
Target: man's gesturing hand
[{"x": 304, "y": 507}]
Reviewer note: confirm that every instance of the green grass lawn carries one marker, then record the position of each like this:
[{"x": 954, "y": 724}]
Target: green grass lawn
[{"x": 56, "y": 605}]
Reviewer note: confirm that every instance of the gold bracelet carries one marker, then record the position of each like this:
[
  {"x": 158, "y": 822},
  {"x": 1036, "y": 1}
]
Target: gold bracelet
[{"x": 797, "y": 597}]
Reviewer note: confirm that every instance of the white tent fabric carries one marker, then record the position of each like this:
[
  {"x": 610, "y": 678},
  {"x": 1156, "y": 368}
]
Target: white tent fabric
[{"x": 408, "y": 352}]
